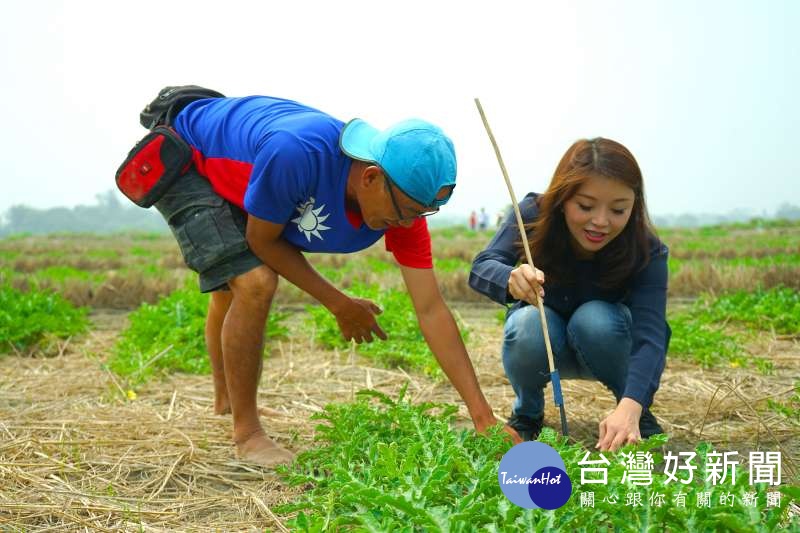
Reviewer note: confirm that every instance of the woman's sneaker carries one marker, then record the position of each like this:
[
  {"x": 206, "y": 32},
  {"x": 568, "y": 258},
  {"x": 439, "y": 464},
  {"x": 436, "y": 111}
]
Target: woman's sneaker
[
  {"x": 527, "y": 427},
  {"x": 648, "y": 425}
]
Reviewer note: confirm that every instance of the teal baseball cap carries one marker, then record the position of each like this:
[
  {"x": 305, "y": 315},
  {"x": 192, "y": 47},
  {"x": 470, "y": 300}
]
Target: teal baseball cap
[{"x": 416, "y": 155}]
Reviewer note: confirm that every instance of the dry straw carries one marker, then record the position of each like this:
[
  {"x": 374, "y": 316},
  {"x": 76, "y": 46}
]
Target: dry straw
[{"x": 76, "y": 454}]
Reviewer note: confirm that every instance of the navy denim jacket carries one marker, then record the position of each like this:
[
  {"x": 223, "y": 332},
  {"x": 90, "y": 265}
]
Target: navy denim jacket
[{"x": 645, "y": 294}]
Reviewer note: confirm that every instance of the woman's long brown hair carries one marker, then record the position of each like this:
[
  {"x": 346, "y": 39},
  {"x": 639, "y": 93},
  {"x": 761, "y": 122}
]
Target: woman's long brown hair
[{"x": 549, "y": 236}]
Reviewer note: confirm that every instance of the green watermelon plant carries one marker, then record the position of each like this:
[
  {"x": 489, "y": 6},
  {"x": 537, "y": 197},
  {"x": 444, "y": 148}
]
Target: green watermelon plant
[
  {"x": 384, "y": 464},
  {"x": 35, "y": 319},
  {"x": 790, "y": 407},
  {"x": 707, "y": 332},
  {"x": 405, "y": 346},
  {"x": 169, "y": 336}
]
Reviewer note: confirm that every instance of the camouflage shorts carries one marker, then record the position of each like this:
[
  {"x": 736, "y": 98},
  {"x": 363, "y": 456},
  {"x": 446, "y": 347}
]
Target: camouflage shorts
[{"x": 209, "y": 229}]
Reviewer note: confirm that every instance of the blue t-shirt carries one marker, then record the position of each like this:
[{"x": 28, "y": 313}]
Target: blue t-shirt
[{"x": 280, "y": 161}]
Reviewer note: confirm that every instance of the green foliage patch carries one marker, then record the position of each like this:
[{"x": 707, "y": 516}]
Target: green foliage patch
[
  {"x": 62, "y": 274},
  {"x": 789, "y": 408},
  {"x": 30, "y": 319},
  {"x": 701, "y": 334},
  {"x": 405, "y": 347},
  {"x": 775, "y": 309},
  {"x": 388, "y": 465},
  {"x": 8, "y": 255},
  {"x": 169, "y": 336},
  {"x": 698, "y": 340},
  {"x": 451, "y": 264}
]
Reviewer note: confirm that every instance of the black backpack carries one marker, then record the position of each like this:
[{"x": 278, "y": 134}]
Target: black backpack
[{"x": 170, "y": 101}]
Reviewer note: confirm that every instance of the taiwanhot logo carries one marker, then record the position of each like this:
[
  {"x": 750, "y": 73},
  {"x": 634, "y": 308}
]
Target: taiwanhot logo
[{"x": 532, "y": 475}]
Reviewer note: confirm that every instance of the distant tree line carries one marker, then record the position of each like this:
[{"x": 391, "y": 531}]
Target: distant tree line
[
  {"x": 109, "y": 215},
  {"x": 692, "y": 220}
]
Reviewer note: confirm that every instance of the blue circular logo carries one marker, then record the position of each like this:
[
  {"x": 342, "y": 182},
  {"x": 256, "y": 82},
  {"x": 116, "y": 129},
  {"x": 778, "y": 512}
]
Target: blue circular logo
[{"x": 532, "y": 475}]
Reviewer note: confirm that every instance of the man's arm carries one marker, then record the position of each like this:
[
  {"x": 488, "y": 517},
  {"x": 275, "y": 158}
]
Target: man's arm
[
  {"x": 443, "y": 338},
  {"x": 355, "y": 317}
]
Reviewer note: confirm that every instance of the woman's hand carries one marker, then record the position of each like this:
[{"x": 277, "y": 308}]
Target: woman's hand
[
  {"x": 620, "y": 427},
  {"x": 525, "y": 283}
]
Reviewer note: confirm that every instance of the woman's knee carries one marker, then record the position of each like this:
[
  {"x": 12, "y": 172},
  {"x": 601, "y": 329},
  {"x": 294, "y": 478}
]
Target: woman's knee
[
  {"x": 600, "y": 324},
  {"x": 523, "y": 343}
]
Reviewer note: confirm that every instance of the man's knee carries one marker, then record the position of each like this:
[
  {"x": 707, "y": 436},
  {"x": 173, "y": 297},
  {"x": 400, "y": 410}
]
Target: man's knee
[
  {"x": 220, "y": 301},
  {"x": 255, "y": 287}
]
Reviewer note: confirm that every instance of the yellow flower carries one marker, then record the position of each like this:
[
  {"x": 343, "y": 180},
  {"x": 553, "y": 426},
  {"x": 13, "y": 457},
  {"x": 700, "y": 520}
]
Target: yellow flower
[{"x": 131, "y": 394}]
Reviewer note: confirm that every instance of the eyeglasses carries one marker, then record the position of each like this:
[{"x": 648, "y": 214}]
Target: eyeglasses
[{"x": 400, "y": 218}]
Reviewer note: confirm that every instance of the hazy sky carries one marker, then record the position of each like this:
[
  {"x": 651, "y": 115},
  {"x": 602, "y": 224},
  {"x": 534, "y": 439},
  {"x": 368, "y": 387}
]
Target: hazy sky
[{"x": 705, "y": 94}]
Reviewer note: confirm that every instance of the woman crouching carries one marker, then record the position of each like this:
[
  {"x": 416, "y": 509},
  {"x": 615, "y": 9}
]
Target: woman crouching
[{"x": 602, "y": 273}]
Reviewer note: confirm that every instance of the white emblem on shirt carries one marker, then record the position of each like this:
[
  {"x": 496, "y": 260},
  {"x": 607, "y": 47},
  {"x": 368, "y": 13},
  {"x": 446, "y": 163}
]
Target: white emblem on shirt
[{"x": 310, "y": 221}]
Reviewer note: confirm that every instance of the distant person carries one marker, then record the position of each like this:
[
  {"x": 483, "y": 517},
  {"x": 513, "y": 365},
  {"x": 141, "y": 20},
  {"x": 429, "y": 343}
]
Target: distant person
[
  {"x": 602, "y": 272},
  {"x": 473, "y": 220},
  {"x": 273, "y": 178},
  {"x": 483, "y": 219},
  {"x": 499, "y": 220}
]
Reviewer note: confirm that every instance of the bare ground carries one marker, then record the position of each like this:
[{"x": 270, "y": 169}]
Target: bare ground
[{"x": 78, "y": 452}]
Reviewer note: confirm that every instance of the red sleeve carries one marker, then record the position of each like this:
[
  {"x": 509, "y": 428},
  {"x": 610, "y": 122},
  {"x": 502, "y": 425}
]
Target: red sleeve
[{"x": 411, "y": 246}]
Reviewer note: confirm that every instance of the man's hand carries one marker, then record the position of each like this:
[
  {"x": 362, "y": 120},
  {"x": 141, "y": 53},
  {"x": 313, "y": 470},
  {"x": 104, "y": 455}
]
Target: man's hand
[
  {"x": 482, "y": 425},
  {"x": 620, "y": 427},
  {"x": 525, "y": 283},
  {"x": 515, "y": 438},
  {"x": 356, "y": 319}
]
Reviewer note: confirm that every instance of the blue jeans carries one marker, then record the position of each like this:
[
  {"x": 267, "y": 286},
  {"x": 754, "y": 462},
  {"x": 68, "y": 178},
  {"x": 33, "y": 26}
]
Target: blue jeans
[{"x": 595, "y": 343}]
